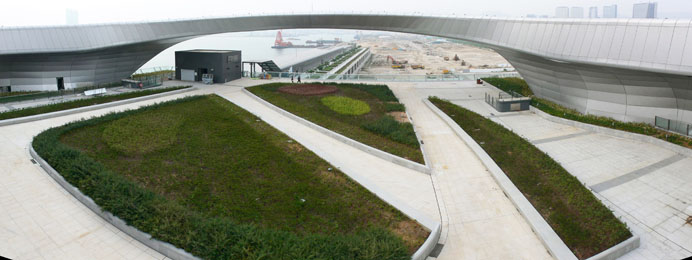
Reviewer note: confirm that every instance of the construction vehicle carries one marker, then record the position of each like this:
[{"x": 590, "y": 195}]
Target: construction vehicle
[
  {"x": 395, "y": 61},
  {"x": 398, "y": 66},
  {"x": 417, "y": 66},
  {"x": 446, "y": 72},
  {"x": 446, "y": 58}
]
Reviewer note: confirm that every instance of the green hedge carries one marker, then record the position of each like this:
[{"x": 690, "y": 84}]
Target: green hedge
[
  {"x": 576, "y": 215},
  {"x": 30, "y": 111},
  {"x": 204, "y": 235}
]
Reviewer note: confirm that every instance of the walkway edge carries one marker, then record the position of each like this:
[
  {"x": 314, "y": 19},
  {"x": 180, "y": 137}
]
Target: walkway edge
[
  {"x": 27, "y": 119},
  {"x": 545, "y": 233},
  {"x": 164, "y": 248},
  {"x": 614, "y": 132},
  {"x": 358, "y": 145}
]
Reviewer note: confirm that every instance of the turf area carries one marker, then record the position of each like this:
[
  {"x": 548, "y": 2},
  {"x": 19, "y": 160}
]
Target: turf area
[
  {"x": 585, "y": 225},
  {"x": 375, "y": 128},
  {"x": 211, "y": 178},
  {"x": 82, "y": 103}
]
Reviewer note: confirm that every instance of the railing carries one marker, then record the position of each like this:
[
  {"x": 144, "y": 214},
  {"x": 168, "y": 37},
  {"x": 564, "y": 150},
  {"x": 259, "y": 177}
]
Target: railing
[
  {"x": 673, "y": 125},
  {"x": 396, "y": 77}
]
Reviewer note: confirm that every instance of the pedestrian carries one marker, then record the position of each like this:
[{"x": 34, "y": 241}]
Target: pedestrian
[
  {"x": 291, "y": 78},
  {"x": 298, "y": 78}
]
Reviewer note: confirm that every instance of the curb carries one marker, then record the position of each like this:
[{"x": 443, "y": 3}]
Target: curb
[
  {"x": 26, "y": 119},
  {"x": 613, "y": 132},
  {"x": 164, "y": 248},
  {"x": 424, "y": 251},
  {"x": 545, "y": 233},
  {"x": 360, "y": 146}
]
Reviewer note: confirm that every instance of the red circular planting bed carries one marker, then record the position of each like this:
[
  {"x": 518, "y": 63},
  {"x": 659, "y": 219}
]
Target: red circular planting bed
[{"x": 308, "y": 89}]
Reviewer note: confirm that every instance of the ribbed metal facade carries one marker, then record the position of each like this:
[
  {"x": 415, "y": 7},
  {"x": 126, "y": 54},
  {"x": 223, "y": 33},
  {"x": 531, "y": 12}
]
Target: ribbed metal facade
[{"x": 630, "y": 69}]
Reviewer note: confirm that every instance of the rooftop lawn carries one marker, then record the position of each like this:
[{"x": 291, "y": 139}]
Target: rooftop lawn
[
  {"x": 209, "y": 177},
  {"x": 375, "y": 128}
]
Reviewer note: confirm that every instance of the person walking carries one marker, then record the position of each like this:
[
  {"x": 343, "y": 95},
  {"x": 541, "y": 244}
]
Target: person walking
[
  {"x": 291, "y": 78},
  {"x": 298, "y": 78}
]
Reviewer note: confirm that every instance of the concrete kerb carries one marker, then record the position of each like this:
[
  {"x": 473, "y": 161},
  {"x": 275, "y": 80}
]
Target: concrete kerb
[
  {"x": 164, "y": 248},
  {"x": 546, "y": 234},
  {"x": 614, "y": 132},
  {"x": 360, "y": 146},
  {"x": 26, "y": 119}
]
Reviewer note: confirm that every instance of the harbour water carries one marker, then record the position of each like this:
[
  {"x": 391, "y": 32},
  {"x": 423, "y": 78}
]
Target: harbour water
[{"x": 253, "y": 46}]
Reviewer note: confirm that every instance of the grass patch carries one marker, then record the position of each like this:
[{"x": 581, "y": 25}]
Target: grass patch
[
  {"x": 229, "y": 186},
  {"x": 346, "y": 105},
  {"x": 576, "y": 215},
  {"x": 389, "y": 127},
  {"x": 394, "y": 107},
  {"x": 81, "y": 103},
  {"x": 16, "y": 93},
  {"x": 371, "y": 128},
  {"x": 557, "y": 110}
]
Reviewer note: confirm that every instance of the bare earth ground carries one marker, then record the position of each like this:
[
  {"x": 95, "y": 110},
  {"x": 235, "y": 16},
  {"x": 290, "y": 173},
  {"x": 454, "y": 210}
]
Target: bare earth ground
[{"x": 420, "y": 50}]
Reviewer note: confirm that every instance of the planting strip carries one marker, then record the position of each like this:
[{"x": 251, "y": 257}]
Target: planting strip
[{"x": 358, "y": 145}]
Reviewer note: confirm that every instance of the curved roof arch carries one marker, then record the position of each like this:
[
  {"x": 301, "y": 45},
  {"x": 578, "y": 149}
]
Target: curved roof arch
[{"x": 640, "y": 44}]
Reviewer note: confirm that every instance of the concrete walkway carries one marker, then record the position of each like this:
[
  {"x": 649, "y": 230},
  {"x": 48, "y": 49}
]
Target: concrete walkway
[
  {"x": 479, "y": 222},
  {"x": 649, "y": 186}
]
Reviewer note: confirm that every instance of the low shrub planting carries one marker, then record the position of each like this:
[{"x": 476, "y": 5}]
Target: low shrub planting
[
  {"x": 394, "y": 107},
  {"x": 373, "y": 128},
  {"x": 346, "y": 105},
  {"x": 389, "y": 127},
  {"x": 82, "y": 103},
  {"x": 554, "y": 109},
  {"x": 229, "y": 186},
  {"x": 576, "y": 215}
]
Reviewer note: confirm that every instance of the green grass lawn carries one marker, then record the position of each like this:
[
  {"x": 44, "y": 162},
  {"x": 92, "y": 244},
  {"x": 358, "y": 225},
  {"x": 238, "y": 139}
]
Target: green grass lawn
[
  {"x": 576, "y": 215},
  {"x": 375, "y": 128},
  {"x": 82, "y": 103},
  {"x": 519, "y": 85},
  {"x": 211, "y": 178}
]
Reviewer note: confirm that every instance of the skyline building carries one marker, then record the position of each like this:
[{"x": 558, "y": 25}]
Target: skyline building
[
  {"x": 71, "y": 17},
  {"x": 593, "y": 12},
  {"x": 610, "y": 11},
  {"x": 562, "y": 12},
  {"x": 576, "y": 12},
  {"x": 645, "y": 10}
]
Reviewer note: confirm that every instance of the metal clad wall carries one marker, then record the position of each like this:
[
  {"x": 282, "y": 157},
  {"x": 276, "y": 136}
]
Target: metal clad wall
[{"x": 625, "y": 68}]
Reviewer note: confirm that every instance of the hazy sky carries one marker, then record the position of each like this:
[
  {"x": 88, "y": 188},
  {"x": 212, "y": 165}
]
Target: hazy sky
[{"x": 52, "y": 12}]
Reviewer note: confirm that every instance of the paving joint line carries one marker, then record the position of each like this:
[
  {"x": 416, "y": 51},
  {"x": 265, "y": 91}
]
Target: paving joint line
[
  {"x": 633, "y": 175},
  {"x": 560, "y": 138}
]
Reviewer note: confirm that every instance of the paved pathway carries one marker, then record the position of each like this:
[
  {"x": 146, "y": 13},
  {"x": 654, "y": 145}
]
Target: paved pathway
[
  {"x": 479, "y": 221},
  {"x": 647, "y": 185}
]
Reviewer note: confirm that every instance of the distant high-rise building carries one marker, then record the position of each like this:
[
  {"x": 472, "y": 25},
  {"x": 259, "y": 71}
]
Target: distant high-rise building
[
  {"x": 610, "y": 11},
  {"x": 593, "y": 12},
  {"x": 71, "y": 17},
  {"x": 645, "y": 10},
  {"x": 562, "y": 12},
  {"x": 576, "y": 12}
]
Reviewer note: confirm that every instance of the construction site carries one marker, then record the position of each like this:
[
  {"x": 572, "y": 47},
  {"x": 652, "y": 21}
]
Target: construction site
[{"x": 414, "y": 54}]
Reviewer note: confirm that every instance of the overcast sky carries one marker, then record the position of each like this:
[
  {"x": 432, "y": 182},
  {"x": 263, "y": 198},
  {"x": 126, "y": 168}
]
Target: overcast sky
[{"x": 52, "y": 12}]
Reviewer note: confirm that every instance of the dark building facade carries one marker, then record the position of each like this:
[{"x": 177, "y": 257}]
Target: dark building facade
[{"x": 225, "y": 65}]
